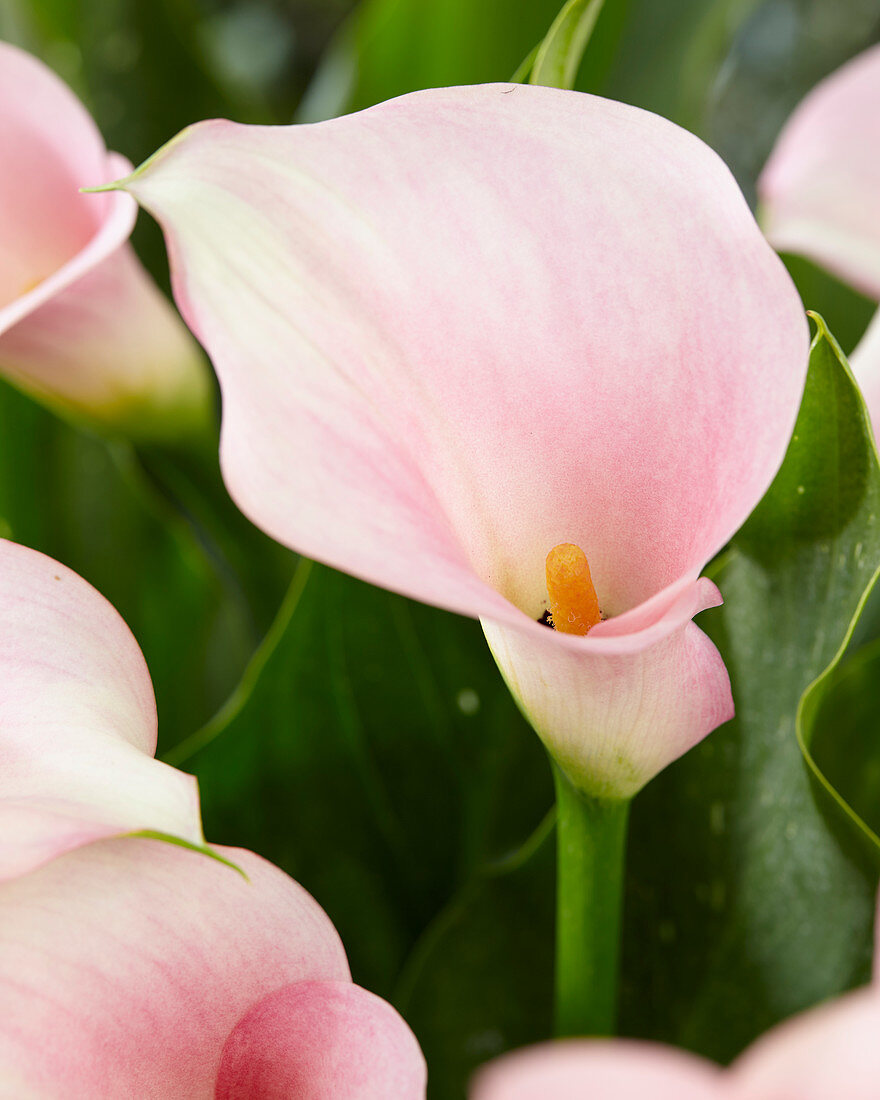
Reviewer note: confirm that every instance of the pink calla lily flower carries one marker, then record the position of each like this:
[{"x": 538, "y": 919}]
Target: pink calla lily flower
[
  {"x": 134, "y": 968},
  {"x": 83, "y": 328},
  {"x": 819, "y": 189},
  {"x": 830, "y": 1051},
  {"x": 820, "y": 193},
  {"x": 77, "y": 722},
  {"x": 468, "y": 325}
]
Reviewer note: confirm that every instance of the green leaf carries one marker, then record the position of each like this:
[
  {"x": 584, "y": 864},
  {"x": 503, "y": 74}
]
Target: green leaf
[
  {"x": 560, "y": 54},
  {"x": 754, "y": 900},
  {"x": 846, "y": 312},
  {"x": 389, "y": 47},
  {"x": 184, "y": 480},
  {"x": 840, "y": 729},
  {"x": 676, "y": 80},
  {"x": 71, "y": 496},
  {"x": 374, "y": 754},
  {"x": 480, "y": 980},
  {"x": 525, "y": 67}
]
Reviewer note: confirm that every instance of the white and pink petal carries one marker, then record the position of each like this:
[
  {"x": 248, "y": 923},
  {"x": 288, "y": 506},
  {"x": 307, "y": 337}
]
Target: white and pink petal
[
  {"x": 447, "y": 340},
  {"x": 819, "y": 189},
  {"x": 125, "y": 966},
  {"x": 82, "y": 326},
  {"x": 77, "y": 721}
]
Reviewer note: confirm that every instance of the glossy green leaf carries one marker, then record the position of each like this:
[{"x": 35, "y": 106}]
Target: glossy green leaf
[
  {"x": 841, "y": 731},
  {"x": 750, "y": 896},
  {"x": 559, "y": 55}
]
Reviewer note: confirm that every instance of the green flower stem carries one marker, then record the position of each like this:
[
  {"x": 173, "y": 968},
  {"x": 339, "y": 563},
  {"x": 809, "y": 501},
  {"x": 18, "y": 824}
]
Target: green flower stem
[{"x": 591, "y": 850}]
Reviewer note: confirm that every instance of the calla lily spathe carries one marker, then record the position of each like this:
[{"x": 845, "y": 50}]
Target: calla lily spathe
[
  {"x": 82, "y": 326},
  {"x": 132, "y": 966},
  {"x": 470, "y": 324},
  {"x": 77, "y": 722},
  {"x": 819, "y": 189},
  {"x": 820, "y": 193}
]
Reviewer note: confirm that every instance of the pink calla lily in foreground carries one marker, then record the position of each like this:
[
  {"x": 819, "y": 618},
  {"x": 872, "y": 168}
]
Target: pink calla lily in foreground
[
  {"x": 820, "y": 192},
  {"x": 829, "y": 1052},
  {"x": 82, "y": 326},
  {"x": 133, "y": 968},
  {"x": 468, "y": 325},
  {"x": 77, "y": 722}
]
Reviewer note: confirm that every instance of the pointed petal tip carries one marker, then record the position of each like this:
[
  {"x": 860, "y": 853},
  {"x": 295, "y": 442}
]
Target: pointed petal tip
[
  {"x": 114, "y": 185},
  {"x": 209, "y": 850}
]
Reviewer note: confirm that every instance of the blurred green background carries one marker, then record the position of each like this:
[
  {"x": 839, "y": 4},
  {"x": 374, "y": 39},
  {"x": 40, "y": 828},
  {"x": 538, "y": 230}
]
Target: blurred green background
[{"x": 371, "y": 749}]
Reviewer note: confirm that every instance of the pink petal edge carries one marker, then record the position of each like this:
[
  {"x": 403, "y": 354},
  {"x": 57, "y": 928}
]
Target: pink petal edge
[
  {"x": 128, "y": 963},
  {"x": 820, "y": 185},
  {"x": 83, "y": 328},
  {"x": 598, "y": 1070},
  {"x": 77, "y": 721},
  {"x": 322, "y": 1041}
]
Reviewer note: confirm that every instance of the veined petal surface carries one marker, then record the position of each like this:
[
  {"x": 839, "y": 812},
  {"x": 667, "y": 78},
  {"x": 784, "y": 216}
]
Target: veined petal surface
[{"x": 77, "y": 721}]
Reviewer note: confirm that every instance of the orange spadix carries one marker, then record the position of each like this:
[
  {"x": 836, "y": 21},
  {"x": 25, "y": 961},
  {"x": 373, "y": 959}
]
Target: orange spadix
[{"x": 574, "y": 606}]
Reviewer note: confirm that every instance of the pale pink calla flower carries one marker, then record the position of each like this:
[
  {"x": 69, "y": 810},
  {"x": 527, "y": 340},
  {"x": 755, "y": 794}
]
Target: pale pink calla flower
[
  {"x": 820, "y": 189},
  {"x": 820, "y": 192},
  {"x": 77, "y": 722},
  {"x": 133, "y": 968},
  {"x": 83, "y": 328},
  {"x": 469, "y": 324},
  {"x": 828, "y": 1052}
]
